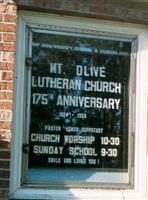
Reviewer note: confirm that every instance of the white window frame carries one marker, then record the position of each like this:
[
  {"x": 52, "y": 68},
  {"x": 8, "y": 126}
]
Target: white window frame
[{"x": 140, "y": 126}]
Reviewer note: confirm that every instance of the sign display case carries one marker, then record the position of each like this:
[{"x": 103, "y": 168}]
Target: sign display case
[{"x": 79, "y": 101}]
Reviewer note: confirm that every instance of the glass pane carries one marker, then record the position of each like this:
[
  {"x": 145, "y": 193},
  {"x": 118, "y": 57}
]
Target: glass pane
[{"x": 79, "y": 103}]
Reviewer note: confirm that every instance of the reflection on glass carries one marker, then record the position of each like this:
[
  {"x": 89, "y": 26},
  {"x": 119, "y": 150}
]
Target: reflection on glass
[{"x": 79, "y": 102}]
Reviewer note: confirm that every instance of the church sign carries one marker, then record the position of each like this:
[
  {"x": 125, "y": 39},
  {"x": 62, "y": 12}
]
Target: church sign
[{"x": 79, "y": 101}]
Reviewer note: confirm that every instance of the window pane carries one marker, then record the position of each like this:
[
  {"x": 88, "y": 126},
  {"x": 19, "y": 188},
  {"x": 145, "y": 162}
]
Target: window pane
[{"x": 79, "y": 103}]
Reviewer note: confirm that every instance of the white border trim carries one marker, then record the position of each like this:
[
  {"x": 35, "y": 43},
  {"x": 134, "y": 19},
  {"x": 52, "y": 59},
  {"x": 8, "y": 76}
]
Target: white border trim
[
  {"x": 18, "y": 118},
  {"x": 81, "y": 23},
  {"x": 132, "y": 30}
]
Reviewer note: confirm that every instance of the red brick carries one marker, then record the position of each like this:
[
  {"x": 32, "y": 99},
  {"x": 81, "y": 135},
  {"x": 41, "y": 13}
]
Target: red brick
[
  {"x": 7, "y": 47},
  {"x": 4, "y": 193},
  {"x": 8, "y": 56},
  {"x": 7, "y": 76},
  {"x": 1, "y": 37},
  {"x": 5, "y": 115},
  {"x": 4, "y": 173},
  {"x": 1, "y": 55},
  {"x": 5, "y": 135},
  {"x": 5, "y": 125},
  {"x": 4, "y": 154},
  {"x": 1, "y": 18},
  {"x": 11, "y": 8},
  {"x": 6, "y": 85},
  {"x": 9, "y": 18},
  {"x": 7, "y": 66},
  {"x": 6, "y": 104},
  {"x": 4, "y": 164},
  {"x": 6, "y": 95},
  {"x": 3, "y": 7},
  {"x": 7, "y": 27},
  {"x": 9, "y": 37},
  {"x": 4, "y": 183},
  {"x": 4, "y": 144}
]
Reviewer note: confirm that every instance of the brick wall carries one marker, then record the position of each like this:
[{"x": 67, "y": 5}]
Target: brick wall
[{"x": 7, "y": 56}]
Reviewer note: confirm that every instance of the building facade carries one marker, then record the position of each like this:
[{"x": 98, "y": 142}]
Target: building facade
[{"x": 73, "y": 99}]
